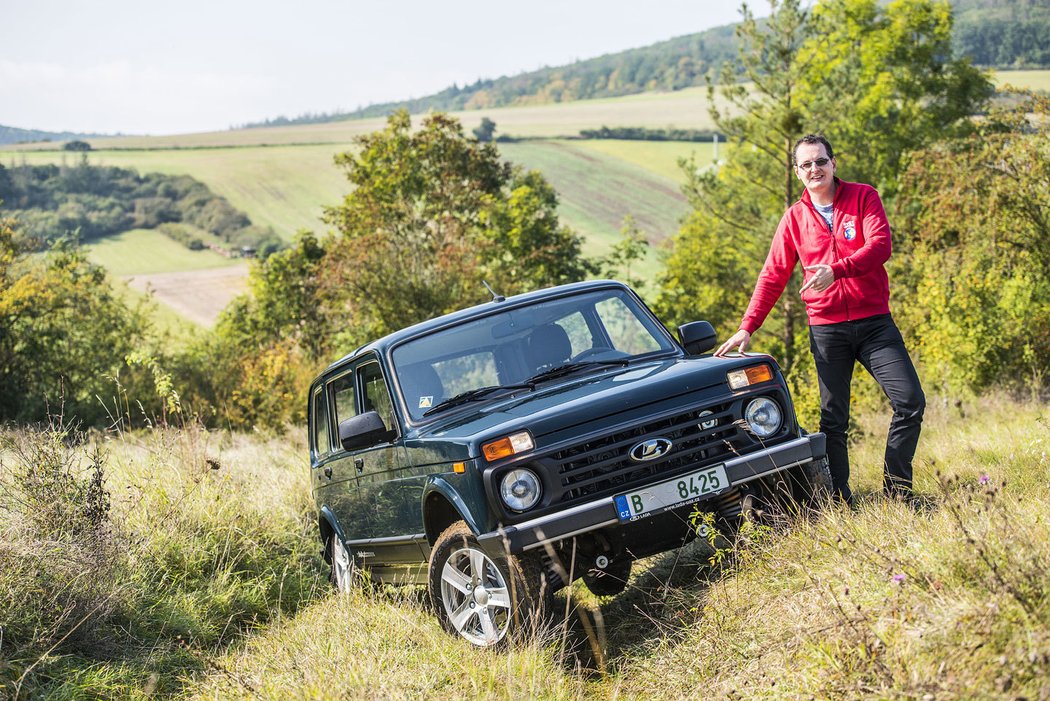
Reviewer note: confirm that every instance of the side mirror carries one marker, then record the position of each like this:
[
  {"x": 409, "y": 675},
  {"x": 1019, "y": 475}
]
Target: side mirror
[
  {"x": 362, "y": 431},
  {"x": 697, "y": 337}
]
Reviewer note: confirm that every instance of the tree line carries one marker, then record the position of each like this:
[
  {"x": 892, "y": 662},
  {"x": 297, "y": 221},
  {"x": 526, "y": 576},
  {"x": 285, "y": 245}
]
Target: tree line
[
  {"x": 54, "y": 201},
  {"x": 991, "y": 33}
]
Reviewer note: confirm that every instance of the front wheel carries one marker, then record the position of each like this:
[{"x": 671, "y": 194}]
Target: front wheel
[
  {"x": 481, "y": 598},
  {"x": 814, "y": 484},
  {"x": 344, "y": 571}
]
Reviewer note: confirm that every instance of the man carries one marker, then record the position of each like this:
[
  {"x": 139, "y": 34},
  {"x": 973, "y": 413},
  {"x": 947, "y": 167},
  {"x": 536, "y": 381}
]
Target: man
[{"x": 839, "y": 231}]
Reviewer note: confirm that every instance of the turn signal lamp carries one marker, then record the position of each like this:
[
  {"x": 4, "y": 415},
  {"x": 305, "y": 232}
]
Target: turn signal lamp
[
  {"x": 738, "y": 379},
  {"x": 505, "y": 447}
]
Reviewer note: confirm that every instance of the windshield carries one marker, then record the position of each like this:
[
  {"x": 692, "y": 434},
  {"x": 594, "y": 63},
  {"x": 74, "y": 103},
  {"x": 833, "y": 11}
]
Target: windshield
[{"x": 509, "y": 348}]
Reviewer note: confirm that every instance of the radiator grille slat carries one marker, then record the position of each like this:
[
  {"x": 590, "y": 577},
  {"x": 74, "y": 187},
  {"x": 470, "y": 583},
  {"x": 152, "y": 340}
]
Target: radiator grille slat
[{"x": 603, "y": 464}]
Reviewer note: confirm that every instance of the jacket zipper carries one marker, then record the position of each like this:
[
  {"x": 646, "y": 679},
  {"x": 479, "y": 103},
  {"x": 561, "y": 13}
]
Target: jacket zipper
[{"x": 834, "y": 250}]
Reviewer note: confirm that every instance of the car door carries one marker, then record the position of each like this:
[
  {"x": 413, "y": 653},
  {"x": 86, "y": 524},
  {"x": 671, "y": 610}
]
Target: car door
[
  {"x": 336, "y": 472},
  {"x": 321, "y": 446},
  {"x": 386, "y": 513}
]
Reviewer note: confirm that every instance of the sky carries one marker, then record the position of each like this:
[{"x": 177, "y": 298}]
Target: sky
[{"x": 163, "y": 67}]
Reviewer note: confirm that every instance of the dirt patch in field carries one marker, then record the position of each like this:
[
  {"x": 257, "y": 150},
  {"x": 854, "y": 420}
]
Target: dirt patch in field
[{"x": 198, "y": 295}]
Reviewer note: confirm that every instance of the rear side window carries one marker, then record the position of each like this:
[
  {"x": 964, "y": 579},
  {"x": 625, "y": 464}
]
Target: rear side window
[
  {"x": 342, "y": 389},
  {"x": 321, "y": 435}
]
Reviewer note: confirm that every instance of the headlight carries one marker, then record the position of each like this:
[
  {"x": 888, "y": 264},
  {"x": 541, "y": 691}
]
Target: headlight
[
  {"x": 763, "y": 417},
  {"x": 520, "y": 489}
]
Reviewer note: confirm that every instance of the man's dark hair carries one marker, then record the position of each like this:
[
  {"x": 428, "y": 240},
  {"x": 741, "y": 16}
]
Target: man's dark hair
[{"x": 813, "y": 139}]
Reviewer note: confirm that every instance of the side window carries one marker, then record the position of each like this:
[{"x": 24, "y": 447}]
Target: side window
[
  {"x": 624, "y": 328},
  {"x": 374, "y": 393},
  {"x": 342, "y": 389},
  {"x": 321, "y": 441}
]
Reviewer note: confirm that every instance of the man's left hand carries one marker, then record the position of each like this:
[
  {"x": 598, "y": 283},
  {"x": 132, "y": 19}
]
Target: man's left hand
[{"x": 820, "y": 280}]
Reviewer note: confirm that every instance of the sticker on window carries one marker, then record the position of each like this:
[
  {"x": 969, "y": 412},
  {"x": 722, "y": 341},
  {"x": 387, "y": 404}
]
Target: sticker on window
[{"x": 426, "y": 402}]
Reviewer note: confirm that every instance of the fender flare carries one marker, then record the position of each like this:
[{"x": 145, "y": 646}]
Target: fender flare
[
  {"x": 326, "y": 518},
  {"x": 440, "y": 486}
]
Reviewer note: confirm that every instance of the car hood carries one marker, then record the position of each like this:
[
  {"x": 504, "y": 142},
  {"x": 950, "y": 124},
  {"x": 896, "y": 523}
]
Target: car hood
[{"x": 563, "y": 405}]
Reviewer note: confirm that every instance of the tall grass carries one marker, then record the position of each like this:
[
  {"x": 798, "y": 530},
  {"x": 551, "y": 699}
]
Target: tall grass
[
  {"x": 203, "y": 581},
  {"x": 128, "y": 561}
]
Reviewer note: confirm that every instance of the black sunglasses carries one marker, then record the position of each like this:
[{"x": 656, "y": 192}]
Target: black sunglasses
[{"x": 820, "y": 163}]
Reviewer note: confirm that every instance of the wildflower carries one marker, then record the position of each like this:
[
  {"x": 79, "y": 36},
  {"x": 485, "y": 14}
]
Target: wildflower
[
  {"x": 984, "y": 479},
  {"x": 898, "y": 578}
]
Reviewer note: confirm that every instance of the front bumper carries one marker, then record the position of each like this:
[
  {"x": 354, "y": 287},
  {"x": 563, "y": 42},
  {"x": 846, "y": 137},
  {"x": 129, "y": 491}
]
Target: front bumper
[{"x": 601, "y": 513}]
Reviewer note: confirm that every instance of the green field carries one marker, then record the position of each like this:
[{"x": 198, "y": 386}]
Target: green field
[
  {"x": 283, "y": 187},
  {"x": 282, "y": 177},
  {"x": 1033, "y": 80},
  {"x": 286, "y": 187},
  {"x": 144, "y": 251},
  {"x": 658, "y": 157},
  {"x": 596, "y": 191}
]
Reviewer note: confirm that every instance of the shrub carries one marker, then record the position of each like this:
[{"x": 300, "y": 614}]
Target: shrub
[{"x": 61, "y": 565}]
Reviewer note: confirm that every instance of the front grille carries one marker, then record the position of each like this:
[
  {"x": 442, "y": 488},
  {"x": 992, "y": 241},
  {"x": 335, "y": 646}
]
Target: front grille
[{"x": 603, "y": 464}]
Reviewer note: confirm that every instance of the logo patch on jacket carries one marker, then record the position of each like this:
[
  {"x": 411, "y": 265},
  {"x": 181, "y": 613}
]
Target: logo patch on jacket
[{"x": 849, "y": 231}]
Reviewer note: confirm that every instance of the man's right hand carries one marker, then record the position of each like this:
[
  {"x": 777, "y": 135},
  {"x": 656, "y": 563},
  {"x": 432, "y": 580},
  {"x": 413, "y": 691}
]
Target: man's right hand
[{"x": 740, "y": 338}]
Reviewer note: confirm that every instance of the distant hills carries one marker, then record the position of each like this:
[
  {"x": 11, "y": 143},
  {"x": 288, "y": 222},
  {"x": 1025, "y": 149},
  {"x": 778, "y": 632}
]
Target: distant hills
[
  {"x": 667, "y": 65},
  {"x": 14, "y": 135},
  {"x": 993, "y": 33}
]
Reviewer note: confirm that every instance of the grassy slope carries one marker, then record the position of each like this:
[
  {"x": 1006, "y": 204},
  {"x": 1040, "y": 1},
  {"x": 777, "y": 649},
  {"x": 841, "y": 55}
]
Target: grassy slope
[
  {"x": 1034, "y": 80},
  {"x": 598, "y": 181},
  {"x": 286, "y": 187},
  {"x": 283, "y": 187},
  {"x": 879, "y": 603},
  {"x": 596, "y": 191},
  {"x": 144, "y": 251},
  {"x": 952, "y": 602}
]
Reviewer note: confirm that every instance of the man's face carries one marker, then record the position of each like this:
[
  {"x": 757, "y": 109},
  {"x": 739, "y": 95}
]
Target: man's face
[{"x": 819, "y": 180}]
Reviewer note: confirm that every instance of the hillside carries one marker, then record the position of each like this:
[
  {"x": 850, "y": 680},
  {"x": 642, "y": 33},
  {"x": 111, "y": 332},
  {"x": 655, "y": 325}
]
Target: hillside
[
  {"x": 14, "y": 135},
  {"x": 993, "y": 33},
  {"x": 221, "y": 594}
]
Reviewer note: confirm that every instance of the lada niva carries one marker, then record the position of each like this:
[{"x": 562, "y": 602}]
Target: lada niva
[{"x": 496, "y": 453}]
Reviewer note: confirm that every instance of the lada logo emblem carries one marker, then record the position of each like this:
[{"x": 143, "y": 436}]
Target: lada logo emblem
[{"x": 650, "y": 450}]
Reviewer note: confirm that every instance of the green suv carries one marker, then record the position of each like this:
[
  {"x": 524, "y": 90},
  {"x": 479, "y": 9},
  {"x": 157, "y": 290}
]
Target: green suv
[{"x": 498, "y": 452}]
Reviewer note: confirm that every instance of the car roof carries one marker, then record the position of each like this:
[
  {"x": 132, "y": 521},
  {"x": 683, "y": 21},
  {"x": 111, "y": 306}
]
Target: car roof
[{"x": 381, "y": 345}]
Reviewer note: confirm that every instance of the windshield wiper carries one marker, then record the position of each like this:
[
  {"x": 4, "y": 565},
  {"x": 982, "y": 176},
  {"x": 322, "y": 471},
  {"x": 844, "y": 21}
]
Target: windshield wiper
[
  {"x": 475, "y": 394},
  {"x": 570, "y": 368}
]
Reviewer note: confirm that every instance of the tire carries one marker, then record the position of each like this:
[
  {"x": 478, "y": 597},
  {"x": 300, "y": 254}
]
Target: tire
[
  {"x": 482, "y": 599},
  {"x": 610, "y": 581},
  {"x": 814, "y": 485},
  {"x": 344, "y": 573}
]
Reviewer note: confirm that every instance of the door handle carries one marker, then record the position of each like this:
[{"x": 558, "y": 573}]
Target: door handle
[
  {"x": 328, "y": 471},
  {"x": 359, "y": 463}
]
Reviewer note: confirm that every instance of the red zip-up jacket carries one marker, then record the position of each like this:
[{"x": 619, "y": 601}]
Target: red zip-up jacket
[{"x": 856, "y": 249}]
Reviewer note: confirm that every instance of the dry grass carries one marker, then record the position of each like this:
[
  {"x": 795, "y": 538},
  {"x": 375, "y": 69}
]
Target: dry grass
[{"x": 949, "y": 602}]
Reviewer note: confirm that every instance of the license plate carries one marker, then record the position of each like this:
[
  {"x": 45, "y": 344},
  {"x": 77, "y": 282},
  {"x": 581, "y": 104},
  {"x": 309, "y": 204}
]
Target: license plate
[{"x": 681, "y": 491}]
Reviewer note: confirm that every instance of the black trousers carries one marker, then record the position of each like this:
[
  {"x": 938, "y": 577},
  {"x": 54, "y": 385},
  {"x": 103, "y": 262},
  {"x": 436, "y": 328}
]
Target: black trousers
[{"x": 877, "y": 344}]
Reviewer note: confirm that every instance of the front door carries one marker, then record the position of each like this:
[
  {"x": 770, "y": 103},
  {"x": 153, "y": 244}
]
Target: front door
[{"x": 382, "y": 521}]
